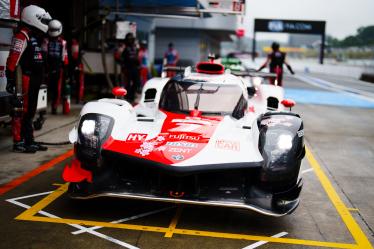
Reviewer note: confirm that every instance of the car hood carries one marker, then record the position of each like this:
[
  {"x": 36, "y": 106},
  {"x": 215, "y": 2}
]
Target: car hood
[{"x": 182, "y": 140}]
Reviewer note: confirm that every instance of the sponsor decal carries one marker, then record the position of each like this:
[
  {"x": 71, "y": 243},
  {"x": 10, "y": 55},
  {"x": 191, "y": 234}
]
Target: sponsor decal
[
  {"x": 180, "y": 150},
  {"x": 184, "y": 136},
  {"x": 148, "y": 146},
  {"x": 277, "y": 121},
  {"x": 300, "y": 133},
  {"x": 182, "y": 144},
  {"x": 189, "y": 124},
  {"x": 227, "y": 145},
  {"x": 17, "y": 45},
  {"x": 177, "y": 157},
  {"x": 136, "y": 137},
  {"x": 181, "y": 138}
]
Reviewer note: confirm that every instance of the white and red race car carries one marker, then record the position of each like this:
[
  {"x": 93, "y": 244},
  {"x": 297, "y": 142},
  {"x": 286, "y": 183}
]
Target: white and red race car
[{"x": 203, "y": 137}]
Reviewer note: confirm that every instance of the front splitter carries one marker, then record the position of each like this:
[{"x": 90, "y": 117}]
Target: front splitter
[{"x": 229, "y": 204}]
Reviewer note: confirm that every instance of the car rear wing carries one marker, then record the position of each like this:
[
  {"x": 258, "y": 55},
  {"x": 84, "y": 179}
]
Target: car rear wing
[
  {"x": 188, "y": 70},
  {"x": 255, "y": 74},
  {"x": 177, "y": 69}
]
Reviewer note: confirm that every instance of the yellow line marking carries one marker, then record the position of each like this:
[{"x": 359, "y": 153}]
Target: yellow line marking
[
  {"x": 99, "y": 223},
  {"x": 193, "y": 232},
  {"x": 57, "y": 184},
  {"x": 353, "y": 209},
  {"x": 29, "y": 215},
  {"x": 264, "y": 238},
  {"x": 358, "y": 235},
  {"x": 174, "y": 222},
  {"x": 43, "y": 203}
]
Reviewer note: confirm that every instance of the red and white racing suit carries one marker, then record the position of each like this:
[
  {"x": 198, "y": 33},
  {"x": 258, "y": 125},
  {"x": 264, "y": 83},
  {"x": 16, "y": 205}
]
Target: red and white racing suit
[
  {"x": 26, "y": 51},
  {"x": 57, "y": 59}
]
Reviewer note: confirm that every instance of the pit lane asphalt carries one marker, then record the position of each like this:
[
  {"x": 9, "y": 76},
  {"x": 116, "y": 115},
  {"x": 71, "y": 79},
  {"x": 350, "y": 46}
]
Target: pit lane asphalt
[{"x": 340, "y": 138}]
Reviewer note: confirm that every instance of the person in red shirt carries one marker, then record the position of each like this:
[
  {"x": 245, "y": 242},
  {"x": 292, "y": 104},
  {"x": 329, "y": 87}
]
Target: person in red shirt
[
  {"x": 57, "y": 61},
  {"x": 26, "y": 52},
  {"x": 275, "y": 60}
]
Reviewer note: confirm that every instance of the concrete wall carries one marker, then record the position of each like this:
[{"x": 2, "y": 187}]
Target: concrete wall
[{"x": 186, "y": 41}]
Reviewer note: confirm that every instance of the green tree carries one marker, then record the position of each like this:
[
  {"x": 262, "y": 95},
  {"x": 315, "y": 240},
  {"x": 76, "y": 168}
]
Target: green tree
[{"x": 364, "y": 37}]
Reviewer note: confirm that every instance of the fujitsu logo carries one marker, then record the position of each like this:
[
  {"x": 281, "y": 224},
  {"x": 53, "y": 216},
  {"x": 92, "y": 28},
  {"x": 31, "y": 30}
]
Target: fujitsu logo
[{"x": 184, "y": 137}]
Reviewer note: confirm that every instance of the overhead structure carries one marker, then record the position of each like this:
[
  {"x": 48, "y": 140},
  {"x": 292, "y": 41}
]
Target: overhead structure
[
  {"x": 293, "y": 27},
  {"x": 174, "y": 8}
]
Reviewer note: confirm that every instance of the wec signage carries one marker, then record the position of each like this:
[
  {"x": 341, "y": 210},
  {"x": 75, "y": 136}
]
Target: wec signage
[
  {"x": 290, "y": 26},
  {"x": 280, "y": 26}
]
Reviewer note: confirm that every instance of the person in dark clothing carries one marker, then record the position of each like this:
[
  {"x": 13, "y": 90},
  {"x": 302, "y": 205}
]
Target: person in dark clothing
[
  {"x": 76, "y": 71},
  {"x": 143, "y": 61},
  {"x": 26, "y": 51},
  {"x": 275, "y": 60},
  {"x": 57, "y": 61},
  {"x": 131, "y": 66}
]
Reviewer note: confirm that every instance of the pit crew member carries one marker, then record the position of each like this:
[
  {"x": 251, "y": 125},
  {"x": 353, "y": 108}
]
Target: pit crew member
[{"x": 26, "y": 51}]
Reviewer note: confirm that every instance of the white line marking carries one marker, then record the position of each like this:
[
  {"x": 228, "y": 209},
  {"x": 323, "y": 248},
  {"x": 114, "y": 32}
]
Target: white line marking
[
  {"x": 29, "y": 196},
  {"x": 306, "y": 171},
  {"x": 336, "y": 88},
  {"x": 100, "y": 235},
  {"x": 123, "y": 220},
  {"x": 260, "y": 243}
]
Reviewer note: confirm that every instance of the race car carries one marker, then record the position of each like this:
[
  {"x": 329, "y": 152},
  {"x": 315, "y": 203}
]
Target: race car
[{"x": 197, "y": 138}]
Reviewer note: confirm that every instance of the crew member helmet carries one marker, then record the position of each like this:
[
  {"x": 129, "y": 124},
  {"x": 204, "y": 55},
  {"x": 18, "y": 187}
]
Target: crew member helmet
[
  {"x": 36, "y": 17},
  {"x": 275, "y": 46},
  {"x": 54, "y": 28},
  {"x": 129, "y": 39}
]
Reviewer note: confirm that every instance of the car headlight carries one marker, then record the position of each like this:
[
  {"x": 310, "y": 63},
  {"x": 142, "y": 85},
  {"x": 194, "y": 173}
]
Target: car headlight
[
  {"x": 93, "y": 131},
  {"x": 88, "y": 127},
  {"x": 278, "y": 144},
  {"x": 285, "y": 142}
]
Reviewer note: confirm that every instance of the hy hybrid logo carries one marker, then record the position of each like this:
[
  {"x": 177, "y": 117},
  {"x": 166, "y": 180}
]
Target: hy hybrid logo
[{"x": 276, "y": 26}]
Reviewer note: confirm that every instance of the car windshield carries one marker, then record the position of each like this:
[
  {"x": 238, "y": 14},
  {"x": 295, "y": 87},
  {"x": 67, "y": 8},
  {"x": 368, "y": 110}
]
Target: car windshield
[{"x": 209, "y": 98}]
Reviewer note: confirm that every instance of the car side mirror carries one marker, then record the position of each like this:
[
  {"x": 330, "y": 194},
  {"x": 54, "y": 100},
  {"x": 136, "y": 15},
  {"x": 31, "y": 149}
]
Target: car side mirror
[
  {"x": 119, "y": 92},
  {"x": 289, "y": 103}
]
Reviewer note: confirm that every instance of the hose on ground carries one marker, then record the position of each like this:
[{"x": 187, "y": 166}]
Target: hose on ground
[{"x": 54, "y": 143}]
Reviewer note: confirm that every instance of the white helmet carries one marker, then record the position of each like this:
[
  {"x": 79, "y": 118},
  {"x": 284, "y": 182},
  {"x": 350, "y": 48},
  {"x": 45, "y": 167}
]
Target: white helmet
[
  {"x": 36, "y": 17},
  {"x": 54, "y": 28}
]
